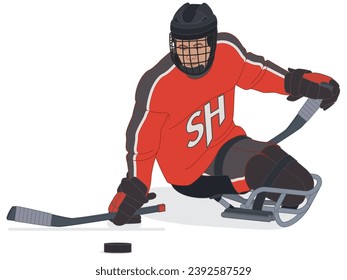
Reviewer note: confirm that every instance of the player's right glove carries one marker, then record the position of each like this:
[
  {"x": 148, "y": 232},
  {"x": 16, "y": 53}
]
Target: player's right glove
[
  {"x": 131, "y": 195},
  {"x": 301, "y": 82}
]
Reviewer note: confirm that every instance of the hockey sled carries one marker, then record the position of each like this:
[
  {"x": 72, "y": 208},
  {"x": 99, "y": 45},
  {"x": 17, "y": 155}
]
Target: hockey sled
[{"x": 255, "y": 206}]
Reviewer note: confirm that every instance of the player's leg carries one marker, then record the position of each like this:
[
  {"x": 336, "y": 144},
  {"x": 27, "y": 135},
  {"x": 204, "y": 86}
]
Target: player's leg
[
  {"x": 252, "y": 164},
  {"x": 273, "y": 167},
  {"x": 207, "y": 187}
]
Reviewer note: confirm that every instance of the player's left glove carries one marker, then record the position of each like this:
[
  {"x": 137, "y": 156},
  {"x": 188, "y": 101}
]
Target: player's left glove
[
  {"x": 301, "y": 82},
  {"x": 131, "y": 195}
]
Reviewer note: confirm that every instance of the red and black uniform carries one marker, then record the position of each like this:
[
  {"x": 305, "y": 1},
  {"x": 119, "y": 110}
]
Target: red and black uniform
[
  {"x": 183, "y": 121},
  {"x": 184, "y": 118}
]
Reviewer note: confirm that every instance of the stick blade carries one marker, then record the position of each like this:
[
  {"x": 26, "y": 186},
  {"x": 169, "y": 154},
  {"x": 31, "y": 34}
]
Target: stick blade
[
  {"x": 29, "y": 216},
  {"x": 11, "y": 214}
]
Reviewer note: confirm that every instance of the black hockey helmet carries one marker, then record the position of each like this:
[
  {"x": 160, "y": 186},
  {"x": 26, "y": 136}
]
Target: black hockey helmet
[{"x": 193, "y": 38}]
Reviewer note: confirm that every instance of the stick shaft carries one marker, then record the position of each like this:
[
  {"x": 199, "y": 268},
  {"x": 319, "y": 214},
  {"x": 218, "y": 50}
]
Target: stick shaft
[
  {"x": 58, "y": 221},
  {"x": 309, "y": 108}
]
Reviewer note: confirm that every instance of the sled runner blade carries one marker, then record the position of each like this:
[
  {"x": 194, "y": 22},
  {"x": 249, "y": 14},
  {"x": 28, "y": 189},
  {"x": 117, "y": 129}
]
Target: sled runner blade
[{"x": 248, "y": 214}]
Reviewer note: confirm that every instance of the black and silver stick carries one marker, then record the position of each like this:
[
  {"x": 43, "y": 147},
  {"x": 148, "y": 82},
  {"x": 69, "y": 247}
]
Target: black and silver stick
[
  {"x": 36, "y": 217},
  {"x": 307, "y": 110}
]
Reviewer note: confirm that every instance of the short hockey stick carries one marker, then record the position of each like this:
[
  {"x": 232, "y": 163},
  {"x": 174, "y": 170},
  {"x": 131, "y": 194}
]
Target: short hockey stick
[
  {"x": 309, "y": 108},
  {"x": 35, "y": 217}
]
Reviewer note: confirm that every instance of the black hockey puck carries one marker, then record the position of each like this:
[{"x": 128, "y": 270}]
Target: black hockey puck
[{"x": 117, "y": 247}]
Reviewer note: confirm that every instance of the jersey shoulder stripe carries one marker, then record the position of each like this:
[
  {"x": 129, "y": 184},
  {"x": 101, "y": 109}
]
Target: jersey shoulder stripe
[
  {"x": 232, "y": 41},
  {"x": 150, "y": 79},
  {"x": 249, "y": 57},
  {"x": 143, "y": 96}
]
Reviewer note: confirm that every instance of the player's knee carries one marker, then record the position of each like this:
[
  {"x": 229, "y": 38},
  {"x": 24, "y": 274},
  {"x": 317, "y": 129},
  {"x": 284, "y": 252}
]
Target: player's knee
[
  {"x": 275, "y": 168},
  {"x": 292, "y": 169},
  {"x": 257, "y": 170}
]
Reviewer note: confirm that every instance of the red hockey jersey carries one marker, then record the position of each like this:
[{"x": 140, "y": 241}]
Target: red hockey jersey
[{"x": 183, "y": 121}]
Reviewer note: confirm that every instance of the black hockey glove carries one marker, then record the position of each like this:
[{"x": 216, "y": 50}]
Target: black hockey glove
[
  {"x": 301, "y": 82},
  {"x": 131, "y": 195}
]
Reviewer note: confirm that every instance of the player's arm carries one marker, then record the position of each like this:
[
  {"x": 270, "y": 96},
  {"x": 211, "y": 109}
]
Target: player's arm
[
  {"x": 265, "y": 76},
  {"x": 261, "y": 75},
  {"x": 268, "y": 77},
  {"x": 143, "y": 139},
  {"x": 142, "y": 144},
  {"x": 252, "y": 71}
]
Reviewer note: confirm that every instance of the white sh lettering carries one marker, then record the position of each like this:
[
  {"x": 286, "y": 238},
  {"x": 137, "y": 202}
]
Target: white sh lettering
[{"x": 200, "y": 128}]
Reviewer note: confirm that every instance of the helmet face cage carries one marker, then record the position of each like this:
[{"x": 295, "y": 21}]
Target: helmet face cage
[{"x": 193, "y": 56}]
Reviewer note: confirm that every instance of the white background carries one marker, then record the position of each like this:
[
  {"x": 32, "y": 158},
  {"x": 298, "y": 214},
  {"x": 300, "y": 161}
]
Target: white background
[{"x": 68, "y": 72}]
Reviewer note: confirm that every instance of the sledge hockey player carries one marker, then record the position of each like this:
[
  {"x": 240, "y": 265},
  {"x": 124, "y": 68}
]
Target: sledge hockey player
[{"x": 183, "y": 118}]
